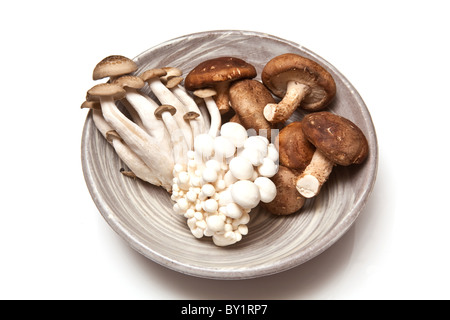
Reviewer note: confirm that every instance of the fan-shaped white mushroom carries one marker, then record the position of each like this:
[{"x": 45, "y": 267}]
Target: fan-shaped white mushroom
[{"x": 134, "y": 136}]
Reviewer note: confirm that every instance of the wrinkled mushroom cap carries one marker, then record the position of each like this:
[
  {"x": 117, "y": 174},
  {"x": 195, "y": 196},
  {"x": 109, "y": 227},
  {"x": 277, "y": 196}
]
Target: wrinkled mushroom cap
[
  {"x": 105, "y": 90},
  {"x": 164, "y": 108},
  {"x": 295, "y": 151},
  {"x": 286, "y": 67},
  {"x": 339, "y": 139},
  {"x": 214, "y": 71},
  {"x": 129, "y": 82},
  {"x": 113, "y": 66}
]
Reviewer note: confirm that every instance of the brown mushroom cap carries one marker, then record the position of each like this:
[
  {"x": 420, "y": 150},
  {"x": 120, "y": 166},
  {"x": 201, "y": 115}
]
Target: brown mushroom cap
[
  {"x": 287, "y": 200},
  {"x": 295, "y": 151},
  {"x": 104, "y": 90},
  {"x": 213, "y": 71},
  {"x": 248, "y": 99},
  {"x": 113, "y": 66},
  {"x": 153, "y": 73},
  {"x": 339, "y": 139},
  {"x": 286, "y": 67},
  {"x": 133, "y": 82},
  {"x": 164, "y": 108}
]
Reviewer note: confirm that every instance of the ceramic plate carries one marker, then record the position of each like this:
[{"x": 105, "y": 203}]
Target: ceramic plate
[{"x": 142, "y": 214}]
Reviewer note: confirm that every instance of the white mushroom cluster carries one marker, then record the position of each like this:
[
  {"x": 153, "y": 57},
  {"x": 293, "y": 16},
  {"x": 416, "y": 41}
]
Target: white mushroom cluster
[{"x": 225, "y": 177}]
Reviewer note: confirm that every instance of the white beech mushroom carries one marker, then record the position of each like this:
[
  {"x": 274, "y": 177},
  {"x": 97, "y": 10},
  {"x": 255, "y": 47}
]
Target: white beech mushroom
[
  {"x": 214, "y": 112},
  {"x": 219, "y": 73},
  {"x": 299, "y": 82},
  {"x": 338, "y": 141},
  {"x": 145, "y": 108},
  {"x": 166, "y": 97},
  {"x": 179, "y": 144},
  {"x": 134, "y": 136},
  {"x": 131, "y": 160}
]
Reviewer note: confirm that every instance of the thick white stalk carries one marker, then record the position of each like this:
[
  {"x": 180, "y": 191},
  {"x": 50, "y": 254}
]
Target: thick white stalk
[
  {"x": 131, "y": 160},
  {"x": 165, "y": 96},
  {"x": 191, "y": 106},
  {"x": 145, "y": 107},
  {"x": 138, "y": 140}
]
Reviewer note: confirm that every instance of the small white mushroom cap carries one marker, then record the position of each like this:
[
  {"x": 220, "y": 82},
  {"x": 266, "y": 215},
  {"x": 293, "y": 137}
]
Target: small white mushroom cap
[
  {"x": 235, "y": 132},
  {"x": 267, "y": 189},
  {"x": 257, "y": 142},
  {"x": 233, "y": 211},
  {"x": 268, "y": 168},
  {"x": 272, "y": 153},
  {"x": 246, "y": 194},
  {"x": 253, "y": 155},
  {"x": 241, "y": 168},
  {"x": 224, "y": 147},
  {"x": 210, "y": 205},
  {"x": 215, "y": 223},
  {"x": 204, "y": 145}
]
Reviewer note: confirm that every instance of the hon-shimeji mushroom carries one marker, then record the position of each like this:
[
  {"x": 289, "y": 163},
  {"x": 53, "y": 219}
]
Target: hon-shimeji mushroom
[
  {"x": 138, "y": 168},
  {"x": 179, "y": 144},
  {"x": 113, "y": 66},
  {"x": 214, "y": 112},
  {"x": 133, "y": 135},
  {"x": 299, "y": 81},
  {"x": 145, "y": 108},
  {"x": 166, "y": 97},
  {"x": 218, "y": 73},
  {"x": 338, "y": 141}
]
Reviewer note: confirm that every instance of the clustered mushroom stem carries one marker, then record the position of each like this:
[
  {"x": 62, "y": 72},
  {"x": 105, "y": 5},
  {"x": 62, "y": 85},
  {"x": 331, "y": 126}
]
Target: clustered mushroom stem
[
  {"x": 180, "y": 147},
  {"x": 191, "y": 106},
  {"x": 165, "y": 96},
  {"x": 315, "y": 175},
  {"x": 136, "y": 138},
  {"x": 145, "y": 107},
  {"x": 131, "y": 160},
  {"x": 295, "y": 93}
]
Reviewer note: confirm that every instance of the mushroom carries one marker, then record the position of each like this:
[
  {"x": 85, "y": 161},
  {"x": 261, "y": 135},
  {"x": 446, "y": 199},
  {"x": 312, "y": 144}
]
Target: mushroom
[
  {"x": 145, "y": 108},
  {"x": 248, "y": 99},
  {"x": 180, "y": 147},
  {"x": 214, "y": 112},
  {"x": 218, "y": 73},
  {"x": 113, "y": 66},
  {"x": 133, "y": 135},
  {"x": 295, "y": 151},
  {"x": 193, "y": 114},
  {"x": 338, "y": 141},
  {"x": 287, "y": 199},
  {"x": 299, "y": 81},
  {"x": 138, "y": 168},
  {"x": 166, "y": 97}
]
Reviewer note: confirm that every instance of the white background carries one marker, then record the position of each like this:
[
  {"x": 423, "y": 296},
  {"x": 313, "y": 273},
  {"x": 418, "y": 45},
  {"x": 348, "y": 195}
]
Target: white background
[{"x": 54, "y": 244}]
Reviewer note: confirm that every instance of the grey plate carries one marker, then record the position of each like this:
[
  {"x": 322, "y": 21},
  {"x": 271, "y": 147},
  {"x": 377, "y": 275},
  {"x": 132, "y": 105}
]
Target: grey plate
[{"x": 142, "y": 214}]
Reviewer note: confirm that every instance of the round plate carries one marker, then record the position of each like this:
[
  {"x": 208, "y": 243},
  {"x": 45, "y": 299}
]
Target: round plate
[{"x": 142, "y": 214}]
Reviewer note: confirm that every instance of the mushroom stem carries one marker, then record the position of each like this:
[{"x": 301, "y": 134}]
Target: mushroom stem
[
  {"x": 315, "y": 175},
  {"x": 132, "y": 161},
  {"x": 222, "y": 98},
  {"x": 295, "y": 93},
  {"x": 145, "y": 107},
  {"x": 165, "y": 96},
  {"x": 179, "y": 143},
  {"x": 136, "y": 138},
  {"x": 191, "y": 106},
  {"x": 215, "y": 116}
]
